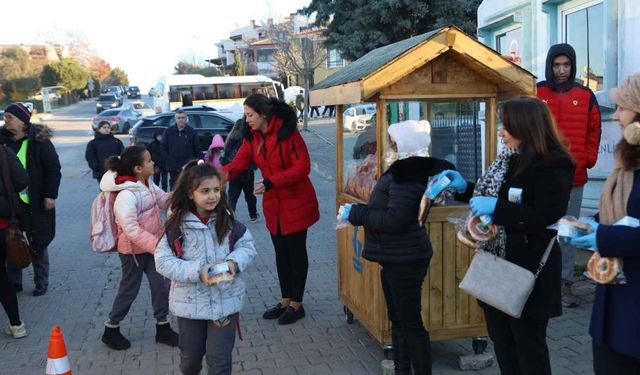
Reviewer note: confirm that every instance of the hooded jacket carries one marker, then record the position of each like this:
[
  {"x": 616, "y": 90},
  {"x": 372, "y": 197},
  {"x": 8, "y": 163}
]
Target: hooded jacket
[
  {"x": 43, "y": 167},
  {"x": 392, "y": 233},
  {"x": 212, "y": 157},
  {"x": 575, "y": 110},
  {"x": 189, "y": 297},
  {"x": 158, "y": 154},
  {"x": 181, "y": 146},
  {"x": 137, "y": 210},
  {"x": 99, "y": 149},
  {"x": 289, "y": 203}
]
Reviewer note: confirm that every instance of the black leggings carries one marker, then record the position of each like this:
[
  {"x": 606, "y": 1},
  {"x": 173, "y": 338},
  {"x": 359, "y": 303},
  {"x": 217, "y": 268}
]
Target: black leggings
[
  {"x": 292, "y": 263},
  {"x": 7, "y": 293}
]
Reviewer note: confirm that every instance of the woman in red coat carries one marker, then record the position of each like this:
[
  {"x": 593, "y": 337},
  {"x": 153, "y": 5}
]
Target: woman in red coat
[{"x": 272, "y": 142}]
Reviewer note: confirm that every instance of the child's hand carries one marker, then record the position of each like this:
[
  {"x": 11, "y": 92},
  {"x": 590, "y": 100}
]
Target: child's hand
[
  {"x": 204, "y": 275},
  {"x": 233, "y": 267}
]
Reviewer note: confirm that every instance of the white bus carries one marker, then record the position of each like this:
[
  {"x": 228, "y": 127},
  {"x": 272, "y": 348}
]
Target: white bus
[{"x": 222, "y": 93}]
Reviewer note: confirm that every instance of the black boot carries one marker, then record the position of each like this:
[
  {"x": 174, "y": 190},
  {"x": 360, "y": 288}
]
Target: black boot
[
  {"x": 114, "y": 339},
  {"x": 401, "y": 358},
  {"x": 419, "y": 347},
  {"x": 165, "y": 335}
]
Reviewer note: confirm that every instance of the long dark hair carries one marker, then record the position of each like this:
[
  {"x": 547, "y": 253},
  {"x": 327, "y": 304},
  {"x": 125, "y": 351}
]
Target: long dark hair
[
  {"x": 188, "y": 181},
  {"x": 628, "y": 154},
  {"x": 261, "y": 104},
  {"x": 131, "y": 157},
  {"x": 528, "y": 119}
]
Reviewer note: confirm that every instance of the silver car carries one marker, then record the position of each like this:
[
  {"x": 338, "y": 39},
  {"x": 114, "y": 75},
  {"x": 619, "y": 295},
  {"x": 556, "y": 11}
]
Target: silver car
[{"x": 121, "y": 119}]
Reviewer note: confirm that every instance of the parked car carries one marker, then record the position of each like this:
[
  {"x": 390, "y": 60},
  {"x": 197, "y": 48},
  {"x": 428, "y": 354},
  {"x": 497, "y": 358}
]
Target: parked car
[
  {"x": 1, "y": 118},
  {"x": 133, "y": 92},
  {"x": 197, "y": 107},
  {"x": 108, "y": 101},
  {"x": 358, "y": 117},
  {"x": 121, "y": 119},
  {"x": 205, "y": 123},
  {"x": 143, "y": 108}
]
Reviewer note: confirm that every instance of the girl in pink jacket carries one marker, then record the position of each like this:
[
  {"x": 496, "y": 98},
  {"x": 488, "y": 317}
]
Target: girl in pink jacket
[
  {"x": 213, "y": 153},
  {"x": 137, "y": 213}
]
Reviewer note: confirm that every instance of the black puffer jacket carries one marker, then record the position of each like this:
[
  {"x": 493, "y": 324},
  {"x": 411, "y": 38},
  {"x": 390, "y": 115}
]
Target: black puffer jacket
[
  {"x": 99, "y": 149},
  {"x": 390, "y": 219},
  {"x": 19, "y": 179},
  {"x": 43, "y": 167}
]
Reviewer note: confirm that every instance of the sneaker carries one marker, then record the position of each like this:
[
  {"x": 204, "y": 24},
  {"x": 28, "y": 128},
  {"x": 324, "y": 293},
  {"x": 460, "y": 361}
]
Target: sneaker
[
  {"x": 39, "y": 291},
  {"x": 17, "y": 332},
  {"x": 165, "y": 335},
  {"x": 114, "y": 339},
  {"x": 568, "y": 299},
  {"x": 255, "y": 218},
  {"x": 274, "y": 312},
  {"x": 291, "y": 315}
]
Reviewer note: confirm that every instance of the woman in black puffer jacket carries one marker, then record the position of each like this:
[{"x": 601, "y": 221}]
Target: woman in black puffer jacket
[{"x": 395, "y": 239}]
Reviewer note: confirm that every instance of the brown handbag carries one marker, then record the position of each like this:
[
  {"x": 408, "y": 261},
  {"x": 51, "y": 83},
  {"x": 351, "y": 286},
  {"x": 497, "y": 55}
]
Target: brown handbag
[{"x": 18, "y": 249}]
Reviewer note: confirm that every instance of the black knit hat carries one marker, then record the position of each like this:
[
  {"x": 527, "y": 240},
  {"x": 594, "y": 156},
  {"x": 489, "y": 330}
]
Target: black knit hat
[{"x": 20, "y": 111}]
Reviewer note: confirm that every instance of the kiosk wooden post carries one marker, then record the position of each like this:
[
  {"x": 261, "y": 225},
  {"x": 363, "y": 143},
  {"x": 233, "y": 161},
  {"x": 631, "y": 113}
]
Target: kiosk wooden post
[{"x": 442, "y": 66}]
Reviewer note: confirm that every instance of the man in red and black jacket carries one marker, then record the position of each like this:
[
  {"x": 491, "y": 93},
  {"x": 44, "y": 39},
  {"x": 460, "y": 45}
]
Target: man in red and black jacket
[{"x": 575, "y": 110}]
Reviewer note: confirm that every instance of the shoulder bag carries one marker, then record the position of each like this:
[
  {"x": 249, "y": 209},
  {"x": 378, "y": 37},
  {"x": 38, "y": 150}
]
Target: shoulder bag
[
  {"x": 500, "y": 283},
  {"x": 18, "y": 249}
]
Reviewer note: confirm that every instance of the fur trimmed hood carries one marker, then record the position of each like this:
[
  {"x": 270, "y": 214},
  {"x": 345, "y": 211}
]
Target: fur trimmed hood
[
  {"x": 37, "y": 132},
  {"x": 417, "y": 169},
  {"x": 282, "y": 111}
]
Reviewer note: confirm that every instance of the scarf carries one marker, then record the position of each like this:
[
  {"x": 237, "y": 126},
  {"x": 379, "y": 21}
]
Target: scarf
[
  {"x": 489, "y": 185},
  {"x": 615, "y": 195}
]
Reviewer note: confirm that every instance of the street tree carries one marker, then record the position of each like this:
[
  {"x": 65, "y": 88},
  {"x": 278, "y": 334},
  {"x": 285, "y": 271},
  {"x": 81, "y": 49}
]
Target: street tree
[
  {"x": 297, "y": 54},
  {"x": 67, "y": 72},
  {"x": 18, "y": 76},
  {"x": 355, "y": 27},
  {"x": 118, "y": 77},
  {"x": 185, "y": 67}
]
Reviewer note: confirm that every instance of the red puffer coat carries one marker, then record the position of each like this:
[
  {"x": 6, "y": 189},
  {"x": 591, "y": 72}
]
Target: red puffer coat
[
  {"x": 290, "y": 204},
  {"x": 575, "y": 110}
]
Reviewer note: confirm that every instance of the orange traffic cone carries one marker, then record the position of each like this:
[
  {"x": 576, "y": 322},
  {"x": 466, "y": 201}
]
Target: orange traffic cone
[{"x": 57, "y": 360}]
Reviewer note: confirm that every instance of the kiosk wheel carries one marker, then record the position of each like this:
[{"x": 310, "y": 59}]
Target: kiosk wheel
[
  {"x": 349, "y": 315},
  {"x": 479, "y": 344}
]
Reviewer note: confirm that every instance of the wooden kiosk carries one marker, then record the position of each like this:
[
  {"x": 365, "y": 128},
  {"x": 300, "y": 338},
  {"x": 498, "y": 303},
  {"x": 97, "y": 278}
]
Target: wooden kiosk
[{"x": 454, "y": 82}]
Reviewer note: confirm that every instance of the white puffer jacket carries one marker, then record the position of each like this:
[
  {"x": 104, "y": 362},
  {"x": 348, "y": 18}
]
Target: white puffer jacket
[
  {"x": 189, "y": 297},
  {"x": 137, "y": 210}
]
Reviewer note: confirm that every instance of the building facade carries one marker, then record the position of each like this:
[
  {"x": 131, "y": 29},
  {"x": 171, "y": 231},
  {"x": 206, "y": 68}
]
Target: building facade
[{"x": 601, "y": 31}]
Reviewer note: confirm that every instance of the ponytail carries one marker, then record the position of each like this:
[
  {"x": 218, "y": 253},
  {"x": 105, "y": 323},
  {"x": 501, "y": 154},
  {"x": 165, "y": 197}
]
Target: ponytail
[{"x": 123, "y": 165}]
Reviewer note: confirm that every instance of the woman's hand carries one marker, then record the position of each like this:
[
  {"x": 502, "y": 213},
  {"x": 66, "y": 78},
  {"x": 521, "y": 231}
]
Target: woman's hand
[
  {"x": 49, "y": 203},
  {"x": 483, "y": 205},
  {"x": 457, "y": 181},
  {"x": 590, "y": 240}
]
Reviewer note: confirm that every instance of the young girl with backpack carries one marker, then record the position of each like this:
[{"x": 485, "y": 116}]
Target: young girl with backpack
[
  {"x": 137, "y": 214},
  {"x": 204, "y": 252},
  {"x": 213, "y": 153}
]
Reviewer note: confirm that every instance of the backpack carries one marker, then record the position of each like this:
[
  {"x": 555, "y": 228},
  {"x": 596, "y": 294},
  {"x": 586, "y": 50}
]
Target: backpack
[{"x": 103, "y": 233}]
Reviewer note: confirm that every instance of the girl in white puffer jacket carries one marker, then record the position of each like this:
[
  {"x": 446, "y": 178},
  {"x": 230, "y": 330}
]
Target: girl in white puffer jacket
[
  {"x": 137, "y": 213},
  {"x": 204, "y": 253}
]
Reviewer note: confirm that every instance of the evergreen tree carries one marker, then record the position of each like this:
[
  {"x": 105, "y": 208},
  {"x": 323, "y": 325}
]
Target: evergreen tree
[{"x": 355, "y": 27}]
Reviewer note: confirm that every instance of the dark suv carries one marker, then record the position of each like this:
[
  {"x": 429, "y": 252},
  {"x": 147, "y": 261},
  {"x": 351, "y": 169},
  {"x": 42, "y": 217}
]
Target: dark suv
[
  {"x": 133, "y": 92},
  {"x": 205, "y": 123}
]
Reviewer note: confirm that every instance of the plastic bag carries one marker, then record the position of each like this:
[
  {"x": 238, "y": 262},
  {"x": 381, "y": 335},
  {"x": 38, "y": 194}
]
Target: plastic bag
[
  {"x": 569, "y": 227},
  {"x": 473, "y": 230},
  {"x": 435, "y": 194},
  {"x": 341, "y": 223}
]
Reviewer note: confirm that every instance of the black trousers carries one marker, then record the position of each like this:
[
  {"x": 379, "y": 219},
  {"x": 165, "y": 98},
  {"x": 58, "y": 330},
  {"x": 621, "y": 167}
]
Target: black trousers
[
  {"x": 243, "y": 183},
  {"x": 173, "y": 177},
  {"x": 316, "y": 110},
  {"x": 203, "y": 338},
  {"x": 607, "y": 361},
  {"x": 292, "y": 263},
  {"x": 520, "y": 344},
  {"x": 402, "y": 288},
  {"x": 160, "y": 179},
  {"x": 7, "y": 293}
]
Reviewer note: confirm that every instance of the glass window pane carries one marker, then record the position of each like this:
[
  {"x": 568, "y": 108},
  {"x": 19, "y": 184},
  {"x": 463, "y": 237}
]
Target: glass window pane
[
  {"x": 212, "y": 122},
  {"x": 584, "y": 31},
  {"x": 225, "y": 91},
  {"x": 359, "y": 150},
  {"x": 509, "y": 43}
]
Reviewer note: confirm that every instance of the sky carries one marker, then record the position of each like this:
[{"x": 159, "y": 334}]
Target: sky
[{"x": 145, "y": 38}]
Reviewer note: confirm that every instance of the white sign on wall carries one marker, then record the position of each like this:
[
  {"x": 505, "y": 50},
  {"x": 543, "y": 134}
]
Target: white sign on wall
[{"x": 611, "y": 135}]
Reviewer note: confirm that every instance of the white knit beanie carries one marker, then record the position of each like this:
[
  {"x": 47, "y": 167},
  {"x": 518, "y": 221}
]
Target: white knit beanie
[{"x": 412, "y": 137}]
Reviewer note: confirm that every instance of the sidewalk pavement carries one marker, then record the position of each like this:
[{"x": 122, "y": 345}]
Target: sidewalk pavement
[{"x": 83, "y": 285}]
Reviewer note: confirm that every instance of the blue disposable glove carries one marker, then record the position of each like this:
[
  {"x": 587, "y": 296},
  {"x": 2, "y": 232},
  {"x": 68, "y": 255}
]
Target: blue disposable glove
[
  {"x": 457, "y": 181},
  {"x": 588, "y": 240},
  {"x": 483, "y": 205},
  {"x": 344, "y": 211}
]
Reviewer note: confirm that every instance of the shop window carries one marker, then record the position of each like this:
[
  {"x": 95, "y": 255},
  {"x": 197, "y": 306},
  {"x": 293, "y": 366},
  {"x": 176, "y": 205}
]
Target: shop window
[
  {"x": 583, "y": 28},
  {"x": 509, "y": 44}
]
